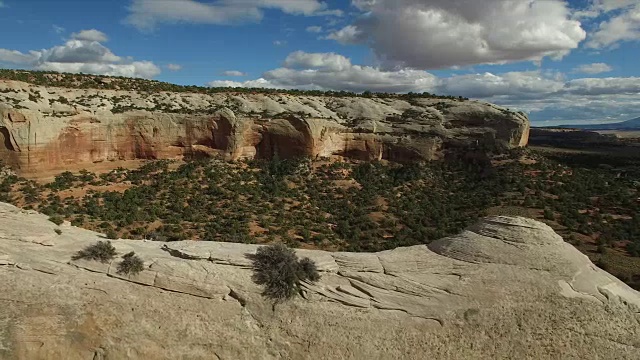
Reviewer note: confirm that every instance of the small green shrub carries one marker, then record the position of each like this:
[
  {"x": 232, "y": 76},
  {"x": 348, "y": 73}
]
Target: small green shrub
[
  {"x": 602, "y": 264},
  {"x": 111, "y": 234},
  {"x": 309, "y": 269},
  {"x": 277, "y": 268},
  {"x": 602, "y": 249},
  {"x": 131, "y": 265},
  {"x": 56, "y": 219},
  {"x": 634, "y": 249},
  {"x": 101, "y": 251},
  {"x": 58, "y": 231}
]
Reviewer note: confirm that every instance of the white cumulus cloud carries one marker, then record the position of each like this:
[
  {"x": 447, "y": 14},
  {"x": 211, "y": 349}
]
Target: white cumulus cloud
[
  {"x": 513, "y": 84},
  {"x": 233, "y": 73},
  {"x": 550, "y": 97},
  {"x": 15, "y": 57},
  {"x": 444, "y": 33},
  {"x": 258, "y": 83},
  {"x": 595, "y": 68},
  {"x": 328, "y": 71},
  {"x": 329, "y": 61},
  {"x": 90, "y": 35},
  {"x": 78, "y": 51},
  {"x": 174, "y": 67},
  {"x": 83, "y": 53},
  {"x": 141, "y": 69},
  {"x": 610, "y": 5},
  {"x": 545, "y": 94},
  {"x": 146, "y": 14},
  {"x": 347, "y": 35},
  {"x": 604, "y": 86},
  {"x": 624, "y": 26},
  {"x": 596, "y": 8}
]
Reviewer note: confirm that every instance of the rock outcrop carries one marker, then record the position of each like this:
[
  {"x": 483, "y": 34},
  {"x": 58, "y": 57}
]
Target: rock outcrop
[
  {"x": 49, "y": 128},
  {"x": 505, "y": 288}
]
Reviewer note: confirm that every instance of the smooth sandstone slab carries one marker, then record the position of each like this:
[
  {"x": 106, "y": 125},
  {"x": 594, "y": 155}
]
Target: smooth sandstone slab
[{"x": 505, "y": 288}]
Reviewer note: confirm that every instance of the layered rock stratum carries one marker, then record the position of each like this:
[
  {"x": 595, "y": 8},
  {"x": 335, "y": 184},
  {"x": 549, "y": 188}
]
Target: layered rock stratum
[
  {"x": 51, "y": 127},
  {"x": 507, "y": 287}
]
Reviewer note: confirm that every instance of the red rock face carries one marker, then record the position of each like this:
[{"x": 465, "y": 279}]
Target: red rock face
[
  {"x": 8, "y": 153},
  {"x": 286, "y": 138},
  {"x": 36, "y": 145}
]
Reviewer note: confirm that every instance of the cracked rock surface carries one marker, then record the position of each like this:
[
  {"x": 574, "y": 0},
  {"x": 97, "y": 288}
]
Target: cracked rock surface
[{"x": 504, "y": 288}]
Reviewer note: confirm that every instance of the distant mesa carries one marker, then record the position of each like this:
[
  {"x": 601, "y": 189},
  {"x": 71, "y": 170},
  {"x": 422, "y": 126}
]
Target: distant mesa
[{"x": 633, "y": 124}]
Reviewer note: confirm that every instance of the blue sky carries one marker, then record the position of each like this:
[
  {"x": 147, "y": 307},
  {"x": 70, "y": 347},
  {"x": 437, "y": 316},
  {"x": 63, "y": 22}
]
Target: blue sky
[{"x": 560, "y": 61}]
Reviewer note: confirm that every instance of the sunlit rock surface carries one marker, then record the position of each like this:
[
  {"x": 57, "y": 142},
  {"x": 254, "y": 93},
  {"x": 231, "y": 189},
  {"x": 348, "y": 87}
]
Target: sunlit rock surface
[{"x": 505, "y": 288}]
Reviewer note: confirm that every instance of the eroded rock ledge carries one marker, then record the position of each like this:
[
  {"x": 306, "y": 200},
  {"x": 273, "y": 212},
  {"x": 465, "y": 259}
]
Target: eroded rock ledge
[
  {"x": 48, "y": 128},
  {"x": 506, "y": 287}
]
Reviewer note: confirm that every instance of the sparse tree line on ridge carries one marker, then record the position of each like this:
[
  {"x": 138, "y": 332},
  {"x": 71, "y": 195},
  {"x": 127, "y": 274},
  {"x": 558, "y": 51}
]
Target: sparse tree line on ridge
[{"x": 86, "y": 81}]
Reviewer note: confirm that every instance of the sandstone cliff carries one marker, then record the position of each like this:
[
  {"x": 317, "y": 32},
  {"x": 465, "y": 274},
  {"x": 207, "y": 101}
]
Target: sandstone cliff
[
  {"x": 49, "y": 127},
  {"x": 505, "y": 288}
]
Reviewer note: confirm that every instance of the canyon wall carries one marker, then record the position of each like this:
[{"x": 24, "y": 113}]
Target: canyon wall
[{"x": 49, "y": 128}]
